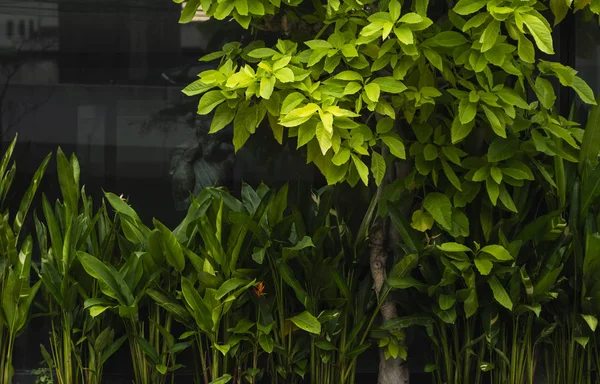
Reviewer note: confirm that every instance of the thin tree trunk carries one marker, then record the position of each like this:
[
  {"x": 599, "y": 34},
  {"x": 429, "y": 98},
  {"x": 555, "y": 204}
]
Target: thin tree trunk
[{"x": 392, "y": 370}]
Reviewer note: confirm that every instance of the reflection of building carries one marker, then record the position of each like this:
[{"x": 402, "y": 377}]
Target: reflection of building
[
  {"x": 104, "y": 41},
  {"x": 28, "y": 41}
]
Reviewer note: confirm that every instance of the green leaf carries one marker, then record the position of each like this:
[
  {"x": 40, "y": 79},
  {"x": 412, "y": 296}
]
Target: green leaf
[
  {"x": 560, "y": 9},
  {"x": 540, "y": 32},
  {"x": 421, "y": 221},
  {"x": 502, "y": 149},
  {"x": 307, "y": 322},
  {"x": 467, "y": 7},
  {"x": 291, "y": 101},
  {"x": 484, "y": 266},
  {"x": 498, "y": 128},
  {"x": 466, "y": 111},
  {"x": 459, "y": 130},
  {"x": 446, "y": 301},
  {"x": 267, "y": 85},
  {"x": 299, "y": 115},
  {"x": 447, "y": 39},
  {"x": 171, "y": 247},
  {"x": 591, "y": 321},
  {"x": 377, "y": 167},
  {"x": 451, "y": 175},
  {"x": 583, "y": 90},
  {"x": 209, "y": 101},
  {"x": 498, "y": 252},
  {"x": 440, "y": 207},
  {"x": 262, "y": 53},
  {"x": 285, "y": 75},
  {"x": 404, "y": 282},
  {"x": 266, "y": 342},
  {"x": 224, "y": 115},
  {"x": 323, "y": 137},
  {"x": 372, "y": 91},
  {"x": 189, "y": 11},
  {"x": 395, "y": 145},
  {"x": 493, "y": 190},
  {"x": 453, "y": 247},
  {"x": 590, "y": 146},
  {"x": 229, "y": 286},
  {"x": 500, "y": 293},
  {"x": 66, "y": 178},
  {"x": 526, "y": 49},
  {"x": 112, "y": 284},
  {"x": 590, "y": 190},
  {"x": 363, "y": 170},
  {"x": 222, "y": 380},
  {"x": 490, "y": 35},
  {"x": 545, "y": 92}
]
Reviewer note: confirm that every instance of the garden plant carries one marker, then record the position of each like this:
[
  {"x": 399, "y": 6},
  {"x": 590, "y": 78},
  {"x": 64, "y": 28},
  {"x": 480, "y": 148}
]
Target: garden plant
[{"x": 474, "y": 215}]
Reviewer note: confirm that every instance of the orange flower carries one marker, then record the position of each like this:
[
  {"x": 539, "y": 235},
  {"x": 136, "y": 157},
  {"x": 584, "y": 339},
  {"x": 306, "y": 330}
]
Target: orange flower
[{"x": 260, "y": 287}]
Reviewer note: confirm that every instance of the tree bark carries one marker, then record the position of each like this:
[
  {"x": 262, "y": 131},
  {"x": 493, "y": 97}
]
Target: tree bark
[{"x": 391, "y": 371}]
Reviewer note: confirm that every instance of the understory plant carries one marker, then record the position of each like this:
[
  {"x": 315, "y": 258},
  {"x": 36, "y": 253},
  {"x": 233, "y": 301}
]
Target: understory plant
[
  {"x": 79, "y": 344},
  {"x": 16, "y": 289}
]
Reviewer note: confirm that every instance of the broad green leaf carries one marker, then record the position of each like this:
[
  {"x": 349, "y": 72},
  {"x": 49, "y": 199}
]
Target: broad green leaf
[
  {"x": 459, "y": 130},
  {"x": 395, "y": 145},
  {"x": 483, "y": 266},
  {"x": 404, "y": 282},
  {"x": 583, "y": 90},
  {"x": 451, "y": 175},
  {"x": 378, "y": 167},
  {"x": 440, "y": 207},
  {"x": 171, "y": 247},
  {"x": 262, "y": 53},
  {"x": 526, "y": 49},
  {"x": 307, "y": 322},
  {"x": 266, "y": 342},
  {"x": 113, "y": 284},
  {"x": 591, "y": 321},
  {"x": 467, "y": 7},
  {"x": 229, "y": 286},
  {"x": 466, "y": 111},
  {"x": 222, "y": 380},
  {"x": 224, "y": 115},
  {"x": 490, "y": 35},
  {"x": 361, "y": 167},
  {"x": 299, "y": 115},
  {"x": 540, "y": 32},
  {"x": 209, "y": 101},
  {"x": 453, "y": 247},
  {"x": 285, "y": 75},
  {"x": 291, "y": 101},
  {"x": 493, "y": 190},
  {"x": 422, "y": 221},
  {"x": 267, "y": 85},
  {"x": 372, "y": 91},
  {"x": 502, "y": 149},
  {"x": 590, "y": 146},
  {"x": 545, "y": 92},
  {"x": 500, "y": 293},
  {"x": 498, "y": 128},
  {"x": 498, "y": 252},
  {"x": 323, "y": 137},
  {"x": 560, "y": 9},
  {"x": 446, "y": 302},
  {"x": 447, "y": 39},
  {"x": 189, "y": 11},
  {"x": 66, "y": 178}
]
